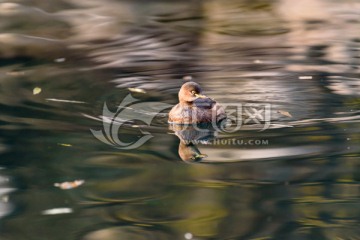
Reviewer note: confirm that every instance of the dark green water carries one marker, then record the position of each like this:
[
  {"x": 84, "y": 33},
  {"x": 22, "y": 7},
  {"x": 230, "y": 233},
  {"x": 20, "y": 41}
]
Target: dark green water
[{"x": 301, "y": 181}]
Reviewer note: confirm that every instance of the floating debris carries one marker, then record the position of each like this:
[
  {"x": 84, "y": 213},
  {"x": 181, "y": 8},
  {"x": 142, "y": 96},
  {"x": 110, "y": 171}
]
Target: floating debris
[
  {"x": 285, "y": 113},
  {"x": 257, "y": 61},
  {"x": 60, "y": 60},
  {"x": 187, "y": 78},
  {"x": 137, "y": 90},
  {"x": 188, "y": 236},
  {"x": 15, "y": 73},
  {"x": 305, "y": 77},
  {"x": 64, "y": 100},
  {"x": 37, "y": 90},
  {"x": 65, "y": 144},
  {"x": 69, "y": 185},
  {"x": 55, "y": 211}
]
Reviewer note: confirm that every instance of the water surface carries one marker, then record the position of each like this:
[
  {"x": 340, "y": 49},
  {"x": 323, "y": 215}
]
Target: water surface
[{"x": 301, "y": 181}]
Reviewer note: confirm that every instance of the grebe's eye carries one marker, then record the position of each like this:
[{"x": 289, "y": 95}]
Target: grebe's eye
[{"x": 193, "y": 92}]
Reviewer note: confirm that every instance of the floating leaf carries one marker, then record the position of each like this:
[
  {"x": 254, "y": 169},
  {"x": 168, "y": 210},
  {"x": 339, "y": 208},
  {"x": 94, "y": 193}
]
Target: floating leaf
[
  {"x": 285, "y": 113},
  {"x": 55, "y": 211},
  {"x": 65, "y": 144},
  {"x": 137, "y": 90},
  {"x": 63, "y": 100},
  {"x": 60, "y": 60},
  {"x": 305, "y": 77},
  {"x": 36, "y": 90},
  {"x": 15, "y": 73},
  {"x": 69, "y": 185},
  {"x": 187, "y": 78}
]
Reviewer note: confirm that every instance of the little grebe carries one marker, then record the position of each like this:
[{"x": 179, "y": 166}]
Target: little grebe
[{"x": 193, "y": 107}]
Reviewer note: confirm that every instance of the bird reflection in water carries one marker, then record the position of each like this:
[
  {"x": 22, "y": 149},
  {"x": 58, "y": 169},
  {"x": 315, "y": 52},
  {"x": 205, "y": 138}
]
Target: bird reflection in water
[{"x": 190, "y": 136}]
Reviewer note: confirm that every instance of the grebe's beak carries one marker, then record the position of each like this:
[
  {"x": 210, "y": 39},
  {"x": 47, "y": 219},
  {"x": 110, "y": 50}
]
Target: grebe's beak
[{"x": 200, "y": 96}]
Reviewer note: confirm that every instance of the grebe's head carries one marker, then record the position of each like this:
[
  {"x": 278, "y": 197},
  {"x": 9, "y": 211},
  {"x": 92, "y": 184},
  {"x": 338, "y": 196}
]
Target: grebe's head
[{"x": 189, "y": 92}]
